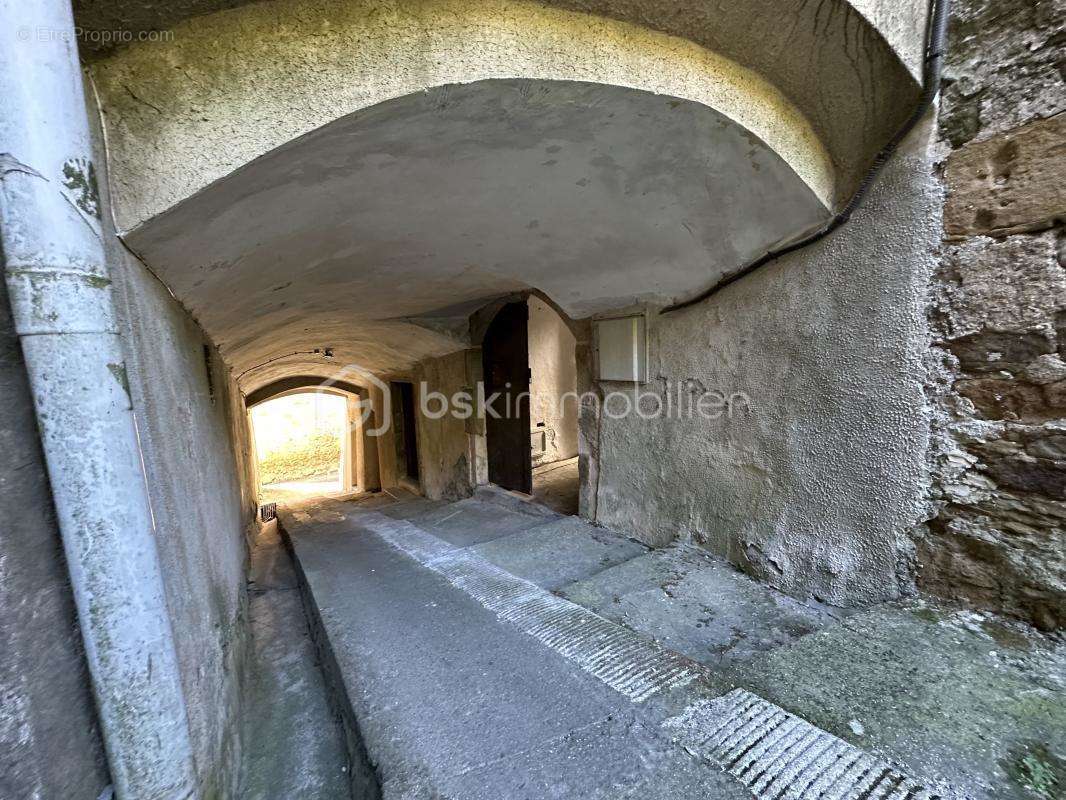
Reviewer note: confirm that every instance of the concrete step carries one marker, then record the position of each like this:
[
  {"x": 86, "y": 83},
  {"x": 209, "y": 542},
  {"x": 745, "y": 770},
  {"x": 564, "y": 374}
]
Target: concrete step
[
  {"x": 698, "y": 605},
  {"x": 474, "y": 521},
  {"x": 689, "y": 600},
  {"x": 627, "y": 662},
  {"x": 522, "y": 536},
  {"x": 412, "y": 508},
  {"x": 515, "y": 501},
  {"x": 559, "y": 552}
]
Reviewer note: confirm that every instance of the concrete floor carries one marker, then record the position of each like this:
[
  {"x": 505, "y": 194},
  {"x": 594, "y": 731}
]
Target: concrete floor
[
  {"x": 698, "y": 605},
  {"x": 451, "y": 702},
  {"x": 956, "y": 692},
  {"x": 294, "y": 491},
  {"x": 556, "y": 486},
  {"x": 493, "y": 648}
]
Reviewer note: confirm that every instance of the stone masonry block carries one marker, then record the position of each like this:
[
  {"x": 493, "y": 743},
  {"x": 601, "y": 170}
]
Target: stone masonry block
[{"x": 1010, "y": 184}]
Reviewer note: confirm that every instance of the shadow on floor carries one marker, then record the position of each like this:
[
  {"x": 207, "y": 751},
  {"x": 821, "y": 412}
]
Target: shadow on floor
[
  {"x": 290, "y": 491},
  {"x": 556, "y": 486},
  {"x": 459, "y": 626}
]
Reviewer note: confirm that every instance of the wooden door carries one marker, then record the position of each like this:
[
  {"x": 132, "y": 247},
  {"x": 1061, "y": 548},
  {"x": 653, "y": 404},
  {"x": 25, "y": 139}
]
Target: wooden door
[{"x": 505, "y": 355}]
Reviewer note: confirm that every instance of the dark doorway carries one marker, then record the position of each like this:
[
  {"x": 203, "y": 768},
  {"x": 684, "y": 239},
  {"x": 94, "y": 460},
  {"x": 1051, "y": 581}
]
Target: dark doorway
[
  {"x": 403, "y": 418},
  {"x": 505, "y": 359}
]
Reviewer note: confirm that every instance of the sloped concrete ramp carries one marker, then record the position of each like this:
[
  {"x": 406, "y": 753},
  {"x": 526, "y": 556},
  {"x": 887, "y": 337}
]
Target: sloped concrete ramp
[
  {"x": 461, "y": 675},
  {"x": 451, "y": 701}
]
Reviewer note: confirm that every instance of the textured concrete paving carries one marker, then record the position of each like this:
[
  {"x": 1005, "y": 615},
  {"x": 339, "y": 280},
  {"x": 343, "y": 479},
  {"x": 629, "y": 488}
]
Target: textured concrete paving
[
  {"x": 970, "y": 698},
  {"x": 474, "y": 521},
  {"x": 451, "y": 701},
  {"x": 557, "y": 486},
  {"x": 698, "y": 605},
  {"x": 294, "y": 744},
  {"x": 558, "y": 552},
  {"x": 465, "y": 677}
]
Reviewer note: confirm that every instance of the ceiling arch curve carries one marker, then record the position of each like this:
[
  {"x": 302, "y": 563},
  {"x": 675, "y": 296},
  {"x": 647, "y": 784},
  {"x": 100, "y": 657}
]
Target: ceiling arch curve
[
  {"x": 379, "y": 234},
  {"x": 232, "y": 86},
  {"x": 296, "y": 384}
]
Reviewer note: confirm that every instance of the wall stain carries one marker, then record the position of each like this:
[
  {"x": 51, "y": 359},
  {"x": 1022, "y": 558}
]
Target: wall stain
[
  {"x": 119, "y": 371},
  {"x": 79, "y": 177}
]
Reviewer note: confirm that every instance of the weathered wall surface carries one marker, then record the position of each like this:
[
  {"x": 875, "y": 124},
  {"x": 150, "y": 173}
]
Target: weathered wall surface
[
  {"x": 366, "y": 471},
  {"x": 553, "y": 375},
  {"x": 188, "y": 415},
  {"x": 445, "y": 448},
  {"x": 998, "y": 539},
  {"x": 388, "y": 470},
  {"x": 195, "y": 446},
  {"x": 267, "y": 73},
  {"x": 49, "y": 742},
  {"x": 815, "y": 482}
]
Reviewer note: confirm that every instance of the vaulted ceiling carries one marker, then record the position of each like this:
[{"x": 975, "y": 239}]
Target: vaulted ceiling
[
  {"x": 377, "y": 235},
  {"x": 362, "y": 175}
]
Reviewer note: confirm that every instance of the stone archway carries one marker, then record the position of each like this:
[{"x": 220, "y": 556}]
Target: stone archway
[{"x": 359, "y": 451}]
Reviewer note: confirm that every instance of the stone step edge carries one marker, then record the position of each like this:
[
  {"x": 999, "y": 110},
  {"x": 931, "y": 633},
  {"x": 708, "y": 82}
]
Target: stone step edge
[{"x": 624, "y": 660}]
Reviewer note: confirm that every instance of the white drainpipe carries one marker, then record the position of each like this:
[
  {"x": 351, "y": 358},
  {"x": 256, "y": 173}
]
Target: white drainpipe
[{"x": 61, "y": 300}]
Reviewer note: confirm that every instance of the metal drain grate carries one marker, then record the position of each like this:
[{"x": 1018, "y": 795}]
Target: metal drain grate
[
  {"x": 780, "y": 756},
  {"x": 268, "y": 511},
  {"x": 632, "y": 665}
]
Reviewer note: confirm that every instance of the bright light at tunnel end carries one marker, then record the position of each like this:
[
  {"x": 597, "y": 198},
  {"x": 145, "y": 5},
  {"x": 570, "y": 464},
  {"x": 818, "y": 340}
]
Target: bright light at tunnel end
[{"x": 678, "y": 400}]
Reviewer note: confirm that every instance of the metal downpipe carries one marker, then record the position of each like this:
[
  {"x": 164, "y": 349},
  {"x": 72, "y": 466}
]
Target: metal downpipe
[{"x": 62, "y": 306}]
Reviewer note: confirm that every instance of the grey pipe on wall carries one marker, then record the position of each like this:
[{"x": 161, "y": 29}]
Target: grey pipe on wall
[{"x": 61, "y": 301}]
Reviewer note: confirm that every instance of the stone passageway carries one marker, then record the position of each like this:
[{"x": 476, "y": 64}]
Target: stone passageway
[
  {"x": 494, "y": 648},
  {"x": 698, "y": 388}
]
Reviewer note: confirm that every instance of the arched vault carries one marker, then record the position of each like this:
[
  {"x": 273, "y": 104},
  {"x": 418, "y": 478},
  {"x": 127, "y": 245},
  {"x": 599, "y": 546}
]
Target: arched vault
[
  {"x": 295, "y": 384},
  {"x": 362, "y": 175}
]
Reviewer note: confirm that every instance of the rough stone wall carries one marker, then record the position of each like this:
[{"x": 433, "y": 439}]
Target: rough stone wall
[
  {"x": 195, "y": 445},
  {"x": 553, "y": 376},
  {"x": 817, "y": 480},
  {"x": 50, "y": 746},
  {"x": 998, "y": 539}
]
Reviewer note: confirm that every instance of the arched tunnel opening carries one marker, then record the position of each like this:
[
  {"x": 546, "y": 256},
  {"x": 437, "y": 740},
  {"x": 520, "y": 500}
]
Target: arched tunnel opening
[
  {"x": 302, "y": 446},
  {"x": 530, "y": 400}
]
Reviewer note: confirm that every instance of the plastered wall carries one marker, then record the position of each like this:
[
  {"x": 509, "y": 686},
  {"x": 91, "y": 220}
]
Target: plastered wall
[
  {"x": 553, "y": 376},
  {"x": 196, "y": 449},
  {"x": 445, "y": 445},
  {"x": 816, "y": 482}
]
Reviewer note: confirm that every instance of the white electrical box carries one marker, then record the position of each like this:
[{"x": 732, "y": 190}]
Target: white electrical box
[{"x": 623, "y": 349}]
